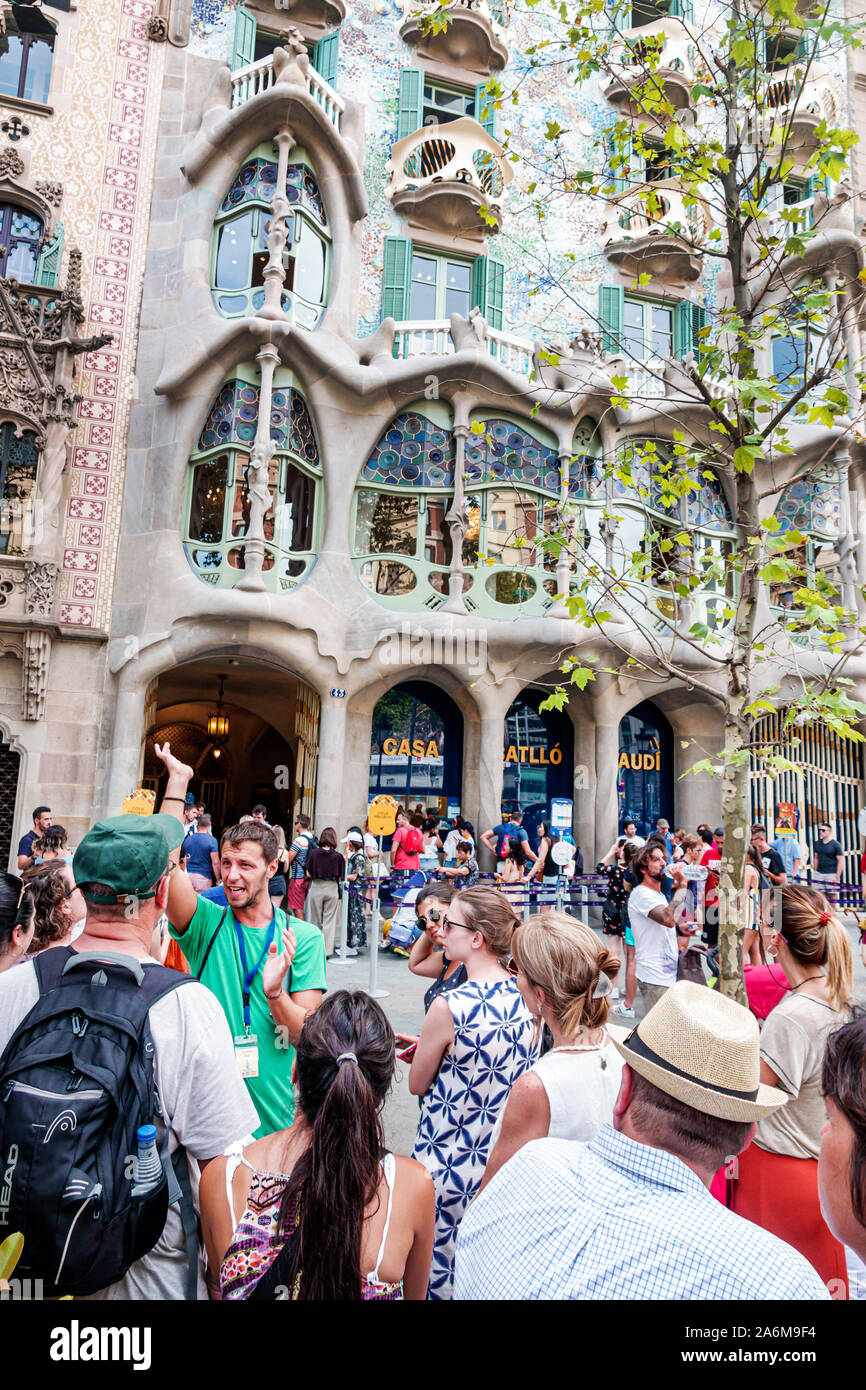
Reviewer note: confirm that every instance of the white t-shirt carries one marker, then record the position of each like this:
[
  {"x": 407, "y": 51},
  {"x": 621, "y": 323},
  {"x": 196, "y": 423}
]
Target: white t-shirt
[
  {"x": 635, "y": 840},
  {"x": 206, "y": 1105},
  {"x": 453, "y": 839},
  {"x": 655, "y": 945}
]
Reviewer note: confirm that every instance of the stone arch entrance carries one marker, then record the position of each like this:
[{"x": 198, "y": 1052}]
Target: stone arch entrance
[
  {"x": 645, "y": 770},
  {"x": 416, "y": 746},
  {"x": 270, "y": 753}
]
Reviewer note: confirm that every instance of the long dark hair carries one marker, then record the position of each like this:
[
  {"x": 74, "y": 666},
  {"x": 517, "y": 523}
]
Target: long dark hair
[
  {"x": 844, "y": 1081},
  {"x": 16, "y": 909},
  {"x": 336, "y": 1178}
]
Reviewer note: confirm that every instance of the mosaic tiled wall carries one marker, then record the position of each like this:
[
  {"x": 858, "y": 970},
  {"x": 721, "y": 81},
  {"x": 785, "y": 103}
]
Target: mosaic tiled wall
[
  {"x": 552, "y": 276},
  {"x": 100, "y": 145}
]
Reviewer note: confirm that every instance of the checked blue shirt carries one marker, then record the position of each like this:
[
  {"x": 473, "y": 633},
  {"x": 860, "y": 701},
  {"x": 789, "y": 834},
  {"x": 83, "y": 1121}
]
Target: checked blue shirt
[{"x": 616, "y": 1219}]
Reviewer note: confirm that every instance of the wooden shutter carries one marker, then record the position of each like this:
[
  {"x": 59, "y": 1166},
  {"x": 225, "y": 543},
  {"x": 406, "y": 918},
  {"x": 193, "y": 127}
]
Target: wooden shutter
[
  {"x": 484, "y": 112},
  {"x": 48, "y": 264},
  {"x": 610, "y": 298},
  {"x": 395, "y": 277},
  {"x": 244, "y": 51},
  {"x": 699, "y": 321},
  {"x": 325, "y": 55},
  {"x": 619, "y": 179},
  {"x": 488, "y": 289},
  {"x": 682, "y": 9},
  {"x": 409, "y": 116}
]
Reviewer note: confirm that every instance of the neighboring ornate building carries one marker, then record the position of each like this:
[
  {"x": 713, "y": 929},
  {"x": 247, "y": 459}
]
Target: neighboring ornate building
[{"x": 346, "y": 437}]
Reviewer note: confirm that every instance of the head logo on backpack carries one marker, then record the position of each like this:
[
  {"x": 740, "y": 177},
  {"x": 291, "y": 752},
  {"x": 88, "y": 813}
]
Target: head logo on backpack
[{"x": 76, "y": 1084}]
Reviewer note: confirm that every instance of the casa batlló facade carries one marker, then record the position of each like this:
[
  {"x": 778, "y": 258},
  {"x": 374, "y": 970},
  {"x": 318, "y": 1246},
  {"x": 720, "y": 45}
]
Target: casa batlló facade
[{"x": 281, "y": 425}]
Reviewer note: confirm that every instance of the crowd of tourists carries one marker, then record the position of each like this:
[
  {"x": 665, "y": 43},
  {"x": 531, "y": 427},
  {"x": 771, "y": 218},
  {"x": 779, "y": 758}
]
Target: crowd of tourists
[{"x": 163, "y": 999}]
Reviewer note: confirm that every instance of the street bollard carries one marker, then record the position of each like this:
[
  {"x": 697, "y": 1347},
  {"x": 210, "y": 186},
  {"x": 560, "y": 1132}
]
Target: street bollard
[{"x": 374, "y": 935}]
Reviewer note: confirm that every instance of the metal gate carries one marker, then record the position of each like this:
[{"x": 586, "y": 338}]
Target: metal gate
[
  {"x": 10, "y": 768},
  {"x": 826, "y": 786}
]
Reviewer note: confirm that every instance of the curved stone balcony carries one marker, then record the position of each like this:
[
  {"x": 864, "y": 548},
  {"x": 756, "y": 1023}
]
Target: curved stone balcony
[
  {"x": 315, "y": 15},
  {"x": 677, "y": 69},
  {"x": 473, "y": 36},
  {"x": 801, "y": 106},
  {"x": 432, "y": 338},
  {"x": 667, "y": 242},
  {"x": 445, "y": 176}
]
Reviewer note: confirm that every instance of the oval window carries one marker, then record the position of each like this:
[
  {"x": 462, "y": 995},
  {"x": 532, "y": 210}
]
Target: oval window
[
  {"x": 387, "y": 577},
  {"x": 510, "y": 586},
  {"x": 207, "y": 559},
  {"x": 236, "y": 558}
]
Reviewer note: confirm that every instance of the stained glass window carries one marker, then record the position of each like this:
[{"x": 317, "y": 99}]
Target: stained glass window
[
  {"x": 234, "y": 415},
  {"x": 507, "y": 452},
  {"x": 19, "y": 459},
  {"x": 810, "y": 505},
  {"x": 414, "y": 452}
]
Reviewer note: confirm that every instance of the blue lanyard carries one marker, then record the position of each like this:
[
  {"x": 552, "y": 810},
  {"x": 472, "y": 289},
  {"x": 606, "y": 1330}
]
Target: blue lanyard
[{"x": 249, "y": 975}]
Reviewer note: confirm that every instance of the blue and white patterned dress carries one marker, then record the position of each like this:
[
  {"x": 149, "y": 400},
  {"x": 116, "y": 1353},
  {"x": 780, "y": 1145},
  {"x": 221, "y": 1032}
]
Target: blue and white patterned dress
[{"x": 493, "y": 1045}]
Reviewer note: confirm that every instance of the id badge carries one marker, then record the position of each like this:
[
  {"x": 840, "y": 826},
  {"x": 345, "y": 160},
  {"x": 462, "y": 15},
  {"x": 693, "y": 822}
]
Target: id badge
[{"x": 247, "y": 1055}]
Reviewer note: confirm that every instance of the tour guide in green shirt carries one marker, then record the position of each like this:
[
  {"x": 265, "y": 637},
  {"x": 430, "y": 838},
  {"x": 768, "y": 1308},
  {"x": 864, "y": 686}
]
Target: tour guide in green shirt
[{"x": 282, "y": 962}]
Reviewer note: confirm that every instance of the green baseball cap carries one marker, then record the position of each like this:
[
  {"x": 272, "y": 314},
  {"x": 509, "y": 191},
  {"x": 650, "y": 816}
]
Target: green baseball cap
[{"x": 127, "y": 853}]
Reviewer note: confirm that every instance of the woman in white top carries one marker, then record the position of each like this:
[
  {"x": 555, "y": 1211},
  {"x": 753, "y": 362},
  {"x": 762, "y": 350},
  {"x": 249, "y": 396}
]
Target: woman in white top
[{"x": 565, "y": 975}]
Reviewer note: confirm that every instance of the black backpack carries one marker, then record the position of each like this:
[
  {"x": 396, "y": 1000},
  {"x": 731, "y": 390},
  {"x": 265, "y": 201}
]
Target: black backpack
[{"x": 76, "y": 1082}]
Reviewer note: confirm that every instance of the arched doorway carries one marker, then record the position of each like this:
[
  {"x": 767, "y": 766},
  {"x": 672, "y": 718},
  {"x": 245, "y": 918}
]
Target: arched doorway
[
  {"x": 270, "y": 753},
  {"x": 10, "y": 771},
  {"x": 538, "y": 758},
  {"x": 645, "y": 777},
  {"x": 416, "y": 747}
]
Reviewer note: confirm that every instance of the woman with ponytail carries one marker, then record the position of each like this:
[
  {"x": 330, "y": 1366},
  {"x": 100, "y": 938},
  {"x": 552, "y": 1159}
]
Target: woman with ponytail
[
  {"x": 776, "y": 1182},
  {"x": 321, "y": 1210},
  {"x": 565, "y": 974}
]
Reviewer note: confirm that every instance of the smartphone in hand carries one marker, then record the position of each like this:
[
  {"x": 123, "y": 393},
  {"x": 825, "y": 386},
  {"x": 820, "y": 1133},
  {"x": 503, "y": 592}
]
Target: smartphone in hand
[{"x": 408, "y": 1053}]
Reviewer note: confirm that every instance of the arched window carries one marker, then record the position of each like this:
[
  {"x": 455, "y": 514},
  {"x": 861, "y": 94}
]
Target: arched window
[
  {"x": 809, "y": 509},
  {"x": 217, "y": 508},
  {"x": 27, "y": 54},
  {"x": 19, "y": 459},
  {"x": 402, "y": 537},
  {"x": 240, "y": 251},
  {"x": 638, "y": 516}
]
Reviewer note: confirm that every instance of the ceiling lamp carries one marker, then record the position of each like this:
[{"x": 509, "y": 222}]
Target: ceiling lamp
[{"x": 218, "y": 722}]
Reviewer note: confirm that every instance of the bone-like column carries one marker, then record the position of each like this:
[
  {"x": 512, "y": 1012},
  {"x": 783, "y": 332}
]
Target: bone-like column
[
  {"x": 274, "y": 273},
  {"x": 258, "y": 475}
]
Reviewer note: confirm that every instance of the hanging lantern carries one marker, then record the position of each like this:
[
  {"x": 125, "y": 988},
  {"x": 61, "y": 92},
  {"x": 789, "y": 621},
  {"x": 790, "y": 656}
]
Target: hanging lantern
[{"x": 218, "y": 722}]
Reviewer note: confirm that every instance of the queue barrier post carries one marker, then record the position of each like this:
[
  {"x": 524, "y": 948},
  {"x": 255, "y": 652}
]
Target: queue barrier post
[
  {"x": 373, "y": 991},
  {"x": 584, "y": 904}
]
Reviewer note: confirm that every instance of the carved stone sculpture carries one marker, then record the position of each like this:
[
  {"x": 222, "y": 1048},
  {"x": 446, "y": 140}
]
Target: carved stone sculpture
[
  {"x": 34, "y": 673},
  {"x": 259, "y": 498},
  {"x": 41, "y": 583}
]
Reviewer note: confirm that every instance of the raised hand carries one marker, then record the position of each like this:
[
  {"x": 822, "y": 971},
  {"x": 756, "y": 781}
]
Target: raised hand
[
  {"x": 173, "y": 766},
  {"x": 276, "y": 967}
]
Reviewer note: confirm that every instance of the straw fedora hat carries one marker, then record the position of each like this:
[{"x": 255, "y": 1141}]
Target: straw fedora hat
[{"x": 703, "y": 1049}]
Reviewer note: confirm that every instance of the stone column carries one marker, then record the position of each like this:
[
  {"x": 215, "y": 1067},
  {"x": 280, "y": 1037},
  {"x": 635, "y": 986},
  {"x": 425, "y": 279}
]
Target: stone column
[
  {"x": 457, "y": 517},
  {"x": 847, "y": 542},
  {"x": 258, "y": 476},
  {"x": 565, "y": 526},
  {"x": 584, "y": 781},
  {"x": 274, "y": 273},
  {"x": 606, "y": 759},
  {"x": 490, "y": 773},
  {"x": 125, "y": 752},
  {"x": 330, "y": 774}
]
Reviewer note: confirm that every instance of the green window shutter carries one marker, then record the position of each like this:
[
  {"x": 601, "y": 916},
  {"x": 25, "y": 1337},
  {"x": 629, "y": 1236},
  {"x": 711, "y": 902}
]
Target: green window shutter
[
  {"x": 699, "y": 321},
  {"x": 619, "y": 178},
  {"x": 395, "y": 277},
  {"x": 488, "y": 289},
  {"x": 683, "y": 341},
  {"x": 484, "y": 112},
  {"x": 620, "y": 17},
  {"x": 245, "y": 39},
  {"x": 682, "y": 9},
  {"x": 325, "y": 55},
  {"x": 409, "y": 116},
  {"x": 610, "y": 299},
  {"x": 48, "y": 264}
]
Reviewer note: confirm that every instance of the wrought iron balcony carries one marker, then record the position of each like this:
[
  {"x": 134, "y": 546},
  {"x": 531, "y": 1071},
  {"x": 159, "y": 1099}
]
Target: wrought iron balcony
[
  {"x": 473, "y": 34},
  {"x": 677, "y": 69},
  {"x": 665, "y": 242},
  {"x": 445, "y": 176}
]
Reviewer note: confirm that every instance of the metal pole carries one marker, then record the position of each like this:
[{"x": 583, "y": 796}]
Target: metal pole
[
  {"x": 374, "y": 933},
  {"x": 584, "y": 904}
]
